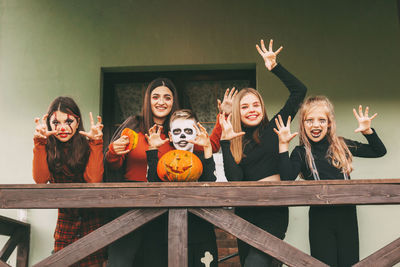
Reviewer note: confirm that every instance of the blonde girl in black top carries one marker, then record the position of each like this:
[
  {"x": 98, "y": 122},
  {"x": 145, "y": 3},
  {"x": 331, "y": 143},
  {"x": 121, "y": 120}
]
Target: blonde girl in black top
[
  {"x": 250, "y": 151},
  {"x": 322, "y": 155}
]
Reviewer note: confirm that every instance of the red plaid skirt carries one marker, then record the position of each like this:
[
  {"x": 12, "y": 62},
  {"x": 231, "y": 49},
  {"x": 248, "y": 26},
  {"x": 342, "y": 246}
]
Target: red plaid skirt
[{"x": 73, "y": 224}]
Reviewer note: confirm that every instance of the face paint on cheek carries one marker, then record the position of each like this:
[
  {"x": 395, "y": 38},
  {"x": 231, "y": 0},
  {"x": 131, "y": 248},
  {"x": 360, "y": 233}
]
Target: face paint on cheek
[
  {"x": 69, "y": 124},
  {"x": 185, "y": 132}
]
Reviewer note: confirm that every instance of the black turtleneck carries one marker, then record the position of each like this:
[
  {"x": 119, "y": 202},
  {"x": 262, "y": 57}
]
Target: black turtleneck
[
  {"x": 261, "y": 160},
  {"x": 289, "y": 168}
]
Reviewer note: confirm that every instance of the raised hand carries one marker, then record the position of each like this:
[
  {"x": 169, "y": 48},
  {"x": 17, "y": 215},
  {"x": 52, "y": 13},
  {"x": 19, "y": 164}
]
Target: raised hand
[
  {"x": 202, "y": 138},
  {"x": 226, "y": 105},
  {"x": 154, "y": 137},
  {"x": 364, "y": 121},
  {"x": 284, "y": 134},
  {"x": 41, "y": 130},
  {"x": 227, "y": 129},
  {"x": 96, "y": 130},
  {"x": 268, "y": 55}
]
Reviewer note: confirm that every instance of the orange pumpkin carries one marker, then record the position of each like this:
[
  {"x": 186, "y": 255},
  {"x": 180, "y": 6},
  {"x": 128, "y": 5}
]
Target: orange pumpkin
[
  {"x": 179, "y": 166},
  {"x": 133, "y": 138}
]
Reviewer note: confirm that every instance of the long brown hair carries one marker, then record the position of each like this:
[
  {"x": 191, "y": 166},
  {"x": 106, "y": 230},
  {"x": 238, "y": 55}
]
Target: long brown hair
[
  {"x": 338, "y": 152},
  {"x": 74, "y": 153},
  {"x": 147, "y": 115},
  {"x": 237, "y": 144}
]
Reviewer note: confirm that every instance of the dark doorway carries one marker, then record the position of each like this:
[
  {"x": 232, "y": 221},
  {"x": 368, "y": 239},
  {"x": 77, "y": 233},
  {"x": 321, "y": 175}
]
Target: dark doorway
[{"x": 198, "y": 90}]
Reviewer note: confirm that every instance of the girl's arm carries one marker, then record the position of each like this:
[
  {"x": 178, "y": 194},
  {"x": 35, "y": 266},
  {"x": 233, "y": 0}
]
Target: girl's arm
[
  {"x": 289, "y": 168},
  {"x": 208, "y": 174},
  {"x": 155, "y": 141},
  {"x": 94, "y": 168},
  {"x": 40, "y": 169},
  {"x": 152, "y": 162},
  {"x": 296, "y": 88},
  {"x": 233, "y": 172},
  {"x": 224, "y": 107},
  {"x": 375, "y": 148}
]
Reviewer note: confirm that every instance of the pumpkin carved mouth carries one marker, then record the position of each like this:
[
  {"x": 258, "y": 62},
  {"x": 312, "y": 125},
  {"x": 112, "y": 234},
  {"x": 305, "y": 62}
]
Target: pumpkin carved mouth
[{"x": 179, "y": 166}]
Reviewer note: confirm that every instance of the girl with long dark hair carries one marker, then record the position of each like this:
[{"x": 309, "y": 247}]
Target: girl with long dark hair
[{"x": 64, "y": 153}]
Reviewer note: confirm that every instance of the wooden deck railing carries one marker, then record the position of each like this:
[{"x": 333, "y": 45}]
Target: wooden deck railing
[
  {"x": 19, "y": 233},
  {"x": 150, "y": 200}
]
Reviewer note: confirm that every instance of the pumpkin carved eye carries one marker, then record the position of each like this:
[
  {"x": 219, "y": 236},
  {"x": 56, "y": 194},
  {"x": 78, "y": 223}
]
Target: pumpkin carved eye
[{"x": 179, "y": 166}]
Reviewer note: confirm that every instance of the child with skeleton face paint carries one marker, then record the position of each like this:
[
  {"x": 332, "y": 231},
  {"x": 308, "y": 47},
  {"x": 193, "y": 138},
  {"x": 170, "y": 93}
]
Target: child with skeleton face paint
[
  {"x": 64, "y": 153},
  {"x": 184, "y": 134}
]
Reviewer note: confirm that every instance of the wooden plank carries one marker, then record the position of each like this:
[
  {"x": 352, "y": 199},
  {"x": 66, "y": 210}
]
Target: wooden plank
[
  {"x": 23, "y": 249},
  {"x": 3, "y": 264},
  {"x": 8, "y": 225},
  {"x": 12, "y": 243},
  {"x": 199, "y": 184},
  {"x": 203, "y": 196},
  {"x": 101, "y": 237},
  {"x": 385, "y": 257},
  {"x": 178, "y": 238},
  {"x": 256, "y": 237}
]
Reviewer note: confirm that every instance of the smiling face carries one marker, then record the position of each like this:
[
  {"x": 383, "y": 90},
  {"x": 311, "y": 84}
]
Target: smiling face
[
  {"x": 65, "y": 125},
  {"x": 161, "y": 101},
  {"x": 316, "y": 123},
  {"x": 182, "y": 131},
  {"x": 251, "y": 113}
]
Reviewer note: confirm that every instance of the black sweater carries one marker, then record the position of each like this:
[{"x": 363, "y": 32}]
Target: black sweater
[
  {"x": 261, "y": 160},
  {"x": 198, "y": 229},
  {"x": 289, "y": 168}
]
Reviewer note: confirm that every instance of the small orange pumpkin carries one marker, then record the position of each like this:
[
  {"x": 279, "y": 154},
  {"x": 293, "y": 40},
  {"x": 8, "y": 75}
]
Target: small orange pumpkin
[
  {"x": 179, "y": 166},
  {"x": 133, "y": 138}
]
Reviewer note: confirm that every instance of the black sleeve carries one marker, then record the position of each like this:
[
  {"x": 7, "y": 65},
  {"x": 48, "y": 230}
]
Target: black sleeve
[
  {"x": 289, "y": 168},
  {"x": 208, "y": 174},
  {"x": 233, "y": 172},
  {"x": 297, "y": 93},
  {"x": 152, "y": 161},
  {"x": 374, "y": 149}
]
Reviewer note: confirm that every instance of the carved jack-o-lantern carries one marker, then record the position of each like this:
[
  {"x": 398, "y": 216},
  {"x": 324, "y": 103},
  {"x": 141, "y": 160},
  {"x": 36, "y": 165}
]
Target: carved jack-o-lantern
[{"x": 179, "y": 166}]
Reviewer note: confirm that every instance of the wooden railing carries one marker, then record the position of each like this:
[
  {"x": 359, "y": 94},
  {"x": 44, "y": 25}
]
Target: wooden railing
[
  {"x": 150, "y": 200},
  {"x": 19, "y": 233}
]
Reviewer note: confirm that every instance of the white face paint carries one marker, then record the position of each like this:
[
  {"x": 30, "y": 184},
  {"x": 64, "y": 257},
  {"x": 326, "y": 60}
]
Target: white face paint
[{"x": 182, "y": 131}]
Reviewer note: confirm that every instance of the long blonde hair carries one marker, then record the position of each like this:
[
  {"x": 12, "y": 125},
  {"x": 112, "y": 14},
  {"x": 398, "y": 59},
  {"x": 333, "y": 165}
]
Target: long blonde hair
[
  {"x": 338, "y": 152},
  {"x": 237, "y": 143}
]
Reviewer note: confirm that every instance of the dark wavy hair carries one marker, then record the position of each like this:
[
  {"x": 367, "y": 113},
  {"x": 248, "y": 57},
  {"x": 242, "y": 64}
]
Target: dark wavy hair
[{"x": 74, "y": 153}]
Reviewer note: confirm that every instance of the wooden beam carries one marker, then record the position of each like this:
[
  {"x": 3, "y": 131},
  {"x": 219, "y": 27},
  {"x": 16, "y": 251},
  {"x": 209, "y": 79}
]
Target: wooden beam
[
  {"x": 12, "y": 243},
  {"x": 256, "y": 237},
  {"x": 101, "y": 237},
  {"x": 178, "y": 238},
  {"x": 3, "y": 264},
  {"x": 23, "y": 249},
  {"x": 212, "y": 195},
  {"x": 385, "y": 257}
]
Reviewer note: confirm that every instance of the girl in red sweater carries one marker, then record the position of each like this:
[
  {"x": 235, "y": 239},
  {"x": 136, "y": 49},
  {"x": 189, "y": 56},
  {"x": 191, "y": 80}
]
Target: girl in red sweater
[{"x": 64, "y": 153}]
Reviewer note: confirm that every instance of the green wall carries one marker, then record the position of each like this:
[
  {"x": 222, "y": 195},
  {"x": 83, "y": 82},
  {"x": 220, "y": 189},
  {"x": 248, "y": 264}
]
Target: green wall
[{"x": 347, "y": 50}]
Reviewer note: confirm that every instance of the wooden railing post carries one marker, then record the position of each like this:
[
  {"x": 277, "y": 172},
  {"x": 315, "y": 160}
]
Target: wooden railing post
[{"x": 178, "y": 238}]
